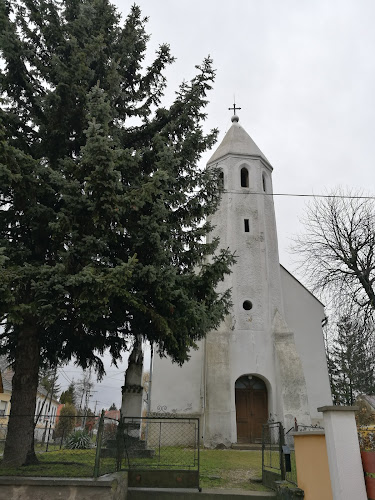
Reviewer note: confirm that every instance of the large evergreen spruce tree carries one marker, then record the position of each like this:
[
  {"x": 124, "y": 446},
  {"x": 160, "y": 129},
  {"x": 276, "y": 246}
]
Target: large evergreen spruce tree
[{"x": 103, "y": 207}]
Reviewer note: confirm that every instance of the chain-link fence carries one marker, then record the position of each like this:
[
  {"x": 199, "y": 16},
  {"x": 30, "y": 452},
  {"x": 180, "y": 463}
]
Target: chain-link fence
[
  {"x": 63, "y": 445},
  {"x": 146, "y": 445},
  {"x": 93, "y": 445},
  {"x": 167, "y": 442}
]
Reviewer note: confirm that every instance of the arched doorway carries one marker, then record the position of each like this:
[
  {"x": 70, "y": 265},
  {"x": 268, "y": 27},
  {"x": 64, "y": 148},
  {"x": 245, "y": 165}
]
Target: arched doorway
[{"x": 251, "y": 408}]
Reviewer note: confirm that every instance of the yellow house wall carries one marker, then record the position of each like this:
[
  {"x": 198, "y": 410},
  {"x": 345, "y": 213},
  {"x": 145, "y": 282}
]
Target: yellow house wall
[
  {"x": 312, "y": 466},
  {"x": 5, "y": 396}
]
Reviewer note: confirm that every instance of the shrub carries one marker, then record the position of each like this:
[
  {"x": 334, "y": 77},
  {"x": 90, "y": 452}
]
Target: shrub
[
  {"x": 365, "y": 414},
  {"x": 366, "y": 437},
  {"x": 66, "y": 422},
  {"x": 79, "y": 440}
]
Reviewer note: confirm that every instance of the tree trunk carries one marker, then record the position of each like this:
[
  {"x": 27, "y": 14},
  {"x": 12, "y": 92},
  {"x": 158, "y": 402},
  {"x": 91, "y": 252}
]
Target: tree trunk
[
  {"x": 19, "y": 447},
  {"x": 31, "y": 458}
]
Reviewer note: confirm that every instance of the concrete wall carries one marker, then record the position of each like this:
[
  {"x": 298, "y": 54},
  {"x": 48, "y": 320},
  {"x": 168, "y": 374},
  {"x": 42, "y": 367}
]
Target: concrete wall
[
  {"x": 111, "y": 487},
  {"x": 312, "y": 465},
  {"x": 303, "y": 313}
]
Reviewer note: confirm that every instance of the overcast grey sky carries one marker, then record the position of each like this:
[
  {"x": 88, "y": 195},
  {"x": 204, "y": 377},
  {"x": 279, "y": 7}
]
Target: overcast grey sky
[{"x": 303, "y": 73}]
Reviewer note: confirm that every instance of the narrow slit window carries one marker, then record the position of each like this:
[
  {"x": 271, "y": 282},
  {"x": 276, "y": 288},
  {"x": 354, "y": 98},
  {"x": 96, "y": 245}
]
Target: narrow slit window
[
  {"x": 244, "y": 177},
  {"x": 221, "y": 179},
  {"x": 247, "y": 226},
  {"x": 264, "y": 183}
]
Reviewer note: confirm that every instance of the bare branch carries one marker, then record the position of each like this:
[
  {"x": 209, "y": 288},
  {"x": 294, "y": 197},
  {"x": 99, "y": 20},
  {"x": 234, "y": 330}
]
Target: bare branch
[{"x": 336, "y": 253}]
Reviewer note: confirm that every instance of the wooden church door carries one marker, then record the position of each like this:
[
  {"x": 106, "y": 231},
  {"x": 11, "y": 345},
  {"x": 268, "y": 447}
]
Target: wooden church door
[{"x": 251, "y": 408}]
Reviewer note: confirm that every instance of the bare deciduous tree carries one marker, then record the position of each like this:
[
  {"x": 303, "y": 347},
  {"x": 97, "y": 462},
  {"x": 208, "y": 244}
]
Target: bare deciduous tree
[{"x": 337, "y": 251}]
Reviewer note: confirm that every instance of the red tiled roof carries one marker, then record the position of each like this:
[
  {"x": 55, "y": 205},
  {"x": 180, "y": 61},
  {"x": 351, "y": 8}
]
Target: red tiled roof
[{"x": 115, "y": 414}]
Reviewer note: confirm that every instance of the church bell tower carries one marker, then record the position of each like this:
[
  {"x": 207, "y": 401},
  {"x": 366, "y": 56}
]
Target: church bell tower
[{"x": 253, "y": 350}]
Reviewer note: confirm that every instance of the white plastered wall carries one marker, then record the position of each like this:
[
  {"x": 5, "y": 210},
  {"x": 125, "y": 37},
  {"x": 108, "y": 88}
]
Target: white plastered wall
[
  {"x": 303, "y": 313},
  {"x": 178, "y": 389}
]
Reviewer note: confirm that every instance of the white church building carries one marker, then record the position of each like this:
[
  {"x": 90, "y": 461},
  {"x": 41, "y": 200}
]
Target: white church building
[{"x": 266, "y": 361}]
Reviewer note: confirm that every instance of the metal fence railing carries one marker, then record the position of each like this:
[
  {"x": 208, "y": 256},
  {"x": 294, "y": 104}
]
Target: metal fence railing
[
  {"x": 148, "y": 446},
  {"x": 62, "y": 444},
  {"x": 163, "y": 442},
  {"x": 278, "y": 456},
  {"x": 93, "y": 445},
  {"x": 290, "y": 469},
  {"x": 273, "y": 466}
]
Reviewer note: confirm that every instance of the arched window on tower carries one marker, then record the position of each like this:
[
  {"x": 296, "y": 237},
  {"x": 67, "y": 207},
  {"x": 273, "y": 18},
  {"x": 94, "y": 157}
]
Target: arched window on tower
[{"x": 244, "y": 177}]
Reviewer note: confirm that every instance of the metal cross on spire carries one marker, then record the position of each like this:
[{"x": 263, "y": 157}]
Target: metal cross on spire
[{"x": 234, "y": 108}]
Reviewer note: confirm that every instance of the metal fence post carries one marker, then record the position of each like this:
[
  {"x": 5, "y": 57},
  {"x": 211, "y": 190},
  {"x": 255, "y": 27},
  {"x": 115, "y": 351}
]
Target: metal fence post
[
  {"x": 198, "y": 444},
  {"x": 62, "y": 438},
  {"x": 99, "y": 439},
  {"x": 263, "y": 447},
  {"x": 49, "y": 433},
  {"x": 282, "y": 461},
  {"x": 159, "y": 439},
  {"x": 119, "y": 444}
]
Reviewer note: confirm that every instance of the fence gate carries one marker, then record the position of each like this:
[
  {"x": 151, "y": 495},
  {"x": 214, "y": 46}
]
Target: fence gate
[
  {"x": 273, "y": 465},
  {"x": 157, "y": 452}
]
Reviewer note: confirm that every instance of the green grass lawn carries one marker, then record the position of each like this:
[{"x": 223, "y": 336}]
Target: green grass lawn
[
  {"x": 64, "y": 463},
  {"x": 218, "y": 468},
  {"x": 231, "y": 469}
]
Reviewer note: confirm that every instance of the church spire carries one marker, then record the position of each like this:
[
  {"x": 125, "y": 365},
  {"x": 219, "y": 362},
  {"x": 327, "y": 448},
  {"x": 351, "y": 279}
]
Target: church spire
[{"x": 237, "y": 142}]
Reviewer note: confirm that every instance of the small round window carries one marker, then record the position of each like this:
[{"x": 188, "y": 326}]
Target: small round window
[{"x": 247, "y": 305}]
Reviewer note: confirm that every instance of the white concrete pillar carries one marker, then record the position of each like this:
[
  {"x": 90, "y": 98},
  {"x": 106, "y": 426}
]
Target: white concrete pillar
[{"x": 344, "y": 458}]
